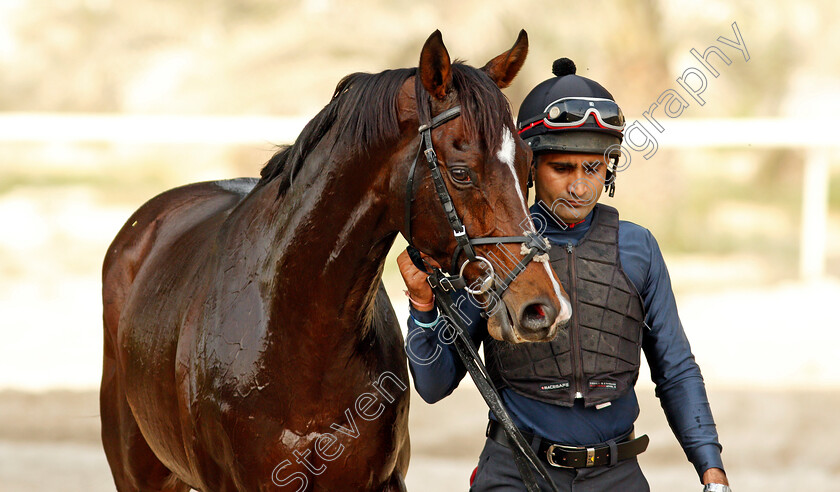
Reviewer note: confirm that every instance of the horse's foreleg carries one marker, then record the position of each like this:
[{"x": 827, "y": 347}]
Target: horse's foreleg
[
  {"x": 395, "y": 483},
  {"x": 133, "y": 464}
]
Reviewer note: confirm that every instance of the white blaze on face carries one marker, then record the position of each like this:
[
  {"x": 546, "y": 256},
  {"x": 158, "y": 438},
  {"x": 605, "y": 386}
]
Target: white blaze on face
[
  {"x": 565, "y": 306},
  {"x": 507, "y": 151},
  {"x": 506, "y": 154}
]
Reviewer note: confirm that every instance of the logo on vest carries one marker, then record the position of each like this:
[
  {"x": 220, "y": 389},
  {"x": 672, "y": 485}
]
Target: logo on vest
[
  {"x": 554, "y": 386},
  {"x": 602, "y": 384}
]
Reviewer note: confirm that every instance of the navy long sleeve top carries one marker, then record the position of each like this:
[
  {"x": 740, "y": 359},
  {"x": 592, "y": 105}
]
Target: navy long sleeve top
[{"x": 437, "y": 369}]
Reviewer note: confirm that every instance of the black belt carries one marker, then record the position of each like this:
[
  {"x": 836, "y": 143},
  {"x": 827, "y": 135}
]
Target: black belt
[{"x": 563, "y": 456}]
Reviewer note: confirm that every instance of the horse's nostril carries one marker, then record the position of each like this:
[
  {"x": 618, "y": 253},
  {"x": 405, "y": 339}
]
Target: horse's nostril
[
  {"x": 537, "y": 316},
  {"x": 534, "y": 312}
]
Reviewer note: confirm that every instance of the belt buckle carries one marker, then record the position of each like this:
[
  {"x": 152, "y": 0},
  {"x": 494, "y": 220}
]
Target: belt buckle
[
  {"x": 549, "y": 453},
  {"x": 590, "y": 455}
]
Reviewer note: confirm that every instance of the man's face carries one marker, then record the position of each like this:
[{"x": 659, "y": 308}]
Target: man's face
[{"x": 569, "y": 184}]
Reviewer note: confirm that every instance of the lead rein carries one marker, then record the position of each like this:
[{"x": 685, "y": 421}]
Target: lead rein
[{"x": 522, "y": 453}]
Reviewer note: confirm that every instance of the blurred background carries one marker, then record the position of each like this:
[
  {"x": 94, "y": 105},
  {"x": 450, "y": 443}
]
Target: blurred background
[{"x": 104, "y": 104}]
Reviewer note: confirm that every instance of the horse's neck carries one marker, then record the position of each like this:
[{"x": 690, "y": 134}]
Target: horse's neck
[{"x": 327, "y": 243}]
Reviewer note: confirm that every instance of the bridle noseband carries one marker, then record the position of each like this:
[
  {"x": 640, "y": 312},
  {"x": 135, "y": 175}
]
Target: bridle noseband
[{"x": 531, "y": 241}]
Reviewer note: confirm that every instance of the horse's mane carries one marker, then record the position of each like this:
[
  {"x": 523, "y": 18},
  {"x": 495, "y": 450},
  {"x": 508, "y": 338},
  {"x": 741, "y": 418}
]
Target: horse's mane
[{"x": 364, "y": 109}]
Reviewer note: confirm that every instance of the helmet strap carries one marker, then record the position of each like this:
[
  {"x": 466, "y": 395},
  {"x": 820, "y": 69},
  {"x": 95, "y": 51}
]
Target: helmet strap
[
  {"x": 531, "y": 170},
  {"x": 609, "y": 183}
]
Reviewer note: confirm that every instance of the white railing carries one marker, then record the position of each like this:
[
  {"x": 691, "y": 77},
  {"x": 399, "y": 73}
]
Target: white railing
[
  {"x": 813, "y": 137},
  {"x": 148, "y": 129}
]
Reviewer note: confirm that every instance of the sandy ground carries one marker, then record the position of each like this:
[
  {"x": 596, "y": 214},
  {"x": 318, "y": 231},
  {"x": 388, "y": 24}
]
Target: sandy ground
[{"x": 774, "y": 441}]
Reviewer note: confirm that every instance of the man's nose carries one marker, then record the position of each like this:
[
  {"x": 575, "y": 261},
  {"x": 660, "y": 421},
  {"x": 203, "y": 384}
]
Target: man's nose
[{"x": 581, "y": 187}]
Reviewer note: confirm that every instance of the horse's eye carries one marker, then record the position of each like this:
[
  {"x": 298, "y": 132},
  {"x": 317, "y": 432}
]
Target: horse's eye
[{"x": 460, "y": 175}]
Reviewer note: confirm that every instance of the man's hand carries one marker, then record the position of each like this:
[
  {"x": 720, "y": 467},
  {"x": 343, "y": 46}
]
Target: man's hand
[
  {"x": 715, "y": 475},
  {"x": 415, "y": 280}
]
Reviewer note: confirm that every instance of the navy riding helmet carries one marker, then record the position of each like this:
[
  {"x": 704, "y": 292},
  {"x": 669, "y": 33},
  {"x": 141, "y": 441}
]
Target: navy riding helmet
[{"x": 570, "y": 113}]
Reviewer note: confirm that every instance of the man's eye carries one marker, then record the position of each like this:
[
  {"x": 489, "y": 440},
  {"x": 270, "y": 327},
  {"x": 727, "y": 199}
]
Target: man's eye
[
  {"x": 591, "y": 167},
  {"x": 460, "y": 175}
]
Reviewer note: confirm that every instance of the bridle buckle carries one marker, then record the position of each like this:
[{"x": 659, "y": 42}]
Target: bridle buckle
[{"x": 443, "y": 282}]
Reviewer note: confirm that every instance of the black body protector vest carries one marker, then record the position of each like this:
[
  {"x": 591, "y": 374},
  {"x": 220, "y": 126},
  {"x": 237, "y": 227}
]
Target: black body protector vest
[{"x": 597, "y": 356}]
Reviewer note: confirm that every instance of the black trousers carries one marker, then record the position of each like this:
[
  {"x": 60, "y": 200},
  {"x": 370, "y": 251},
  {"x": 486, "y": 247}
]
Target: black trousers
[{"x": 497, "y": 472}]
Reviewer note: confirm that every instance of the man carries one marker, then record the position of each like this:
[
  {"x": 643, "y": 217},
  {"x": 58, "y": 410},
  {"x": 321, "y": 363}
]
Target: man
[{"x": 573, "y": 397}]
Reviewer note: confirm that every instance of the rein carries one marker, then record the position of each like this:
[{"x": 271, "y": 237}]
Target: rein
[
  {"x": 442, "y": 283},
  {"x": 523, "y": 454}
]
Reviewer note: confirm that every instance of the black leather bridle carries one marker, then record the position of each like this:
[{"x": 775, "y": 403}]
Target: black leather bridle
[
  {"x": 535, "y": 244},
  {"x": 442, "y": 284}
]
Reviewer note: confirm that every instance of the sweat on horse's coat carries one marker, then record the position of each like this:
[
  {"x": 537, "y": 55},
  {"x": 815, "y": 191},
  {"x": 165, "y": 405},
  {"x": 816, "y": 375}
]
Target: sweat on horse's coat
[{"x": 241, "y": 318}]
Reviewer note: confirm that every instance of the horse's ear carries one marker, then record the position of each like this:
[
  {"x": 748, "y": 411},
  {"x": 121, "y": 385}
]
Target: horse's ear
[
  {"x": 435, "y": 67},
  {"x": 504, "y": 67}
]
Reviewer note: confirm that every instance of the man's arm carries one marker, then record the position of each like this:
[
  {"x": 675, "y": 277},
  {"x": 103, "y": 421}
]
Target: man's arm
[
  {"x": 433, "y": 360},
  {"x": 679, "y": 383}
]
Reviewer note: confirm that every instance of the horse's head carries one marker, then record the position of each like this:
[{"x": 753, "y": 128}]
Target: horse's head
[{"x": 484, "y": 166}]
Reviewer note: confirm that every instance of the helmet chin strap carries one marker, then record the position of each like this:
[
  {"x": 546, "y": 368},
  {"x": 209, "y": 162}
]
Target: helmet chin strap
[
  {"x": 609, "y": 182},
  {"x": 530, "y": 183}
]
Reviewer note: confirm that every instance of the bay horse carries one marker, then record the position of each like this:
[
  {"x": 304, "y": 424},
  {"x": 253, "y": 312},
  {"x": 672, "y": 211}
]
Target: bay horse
[{"x": 249, "y": 344}]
